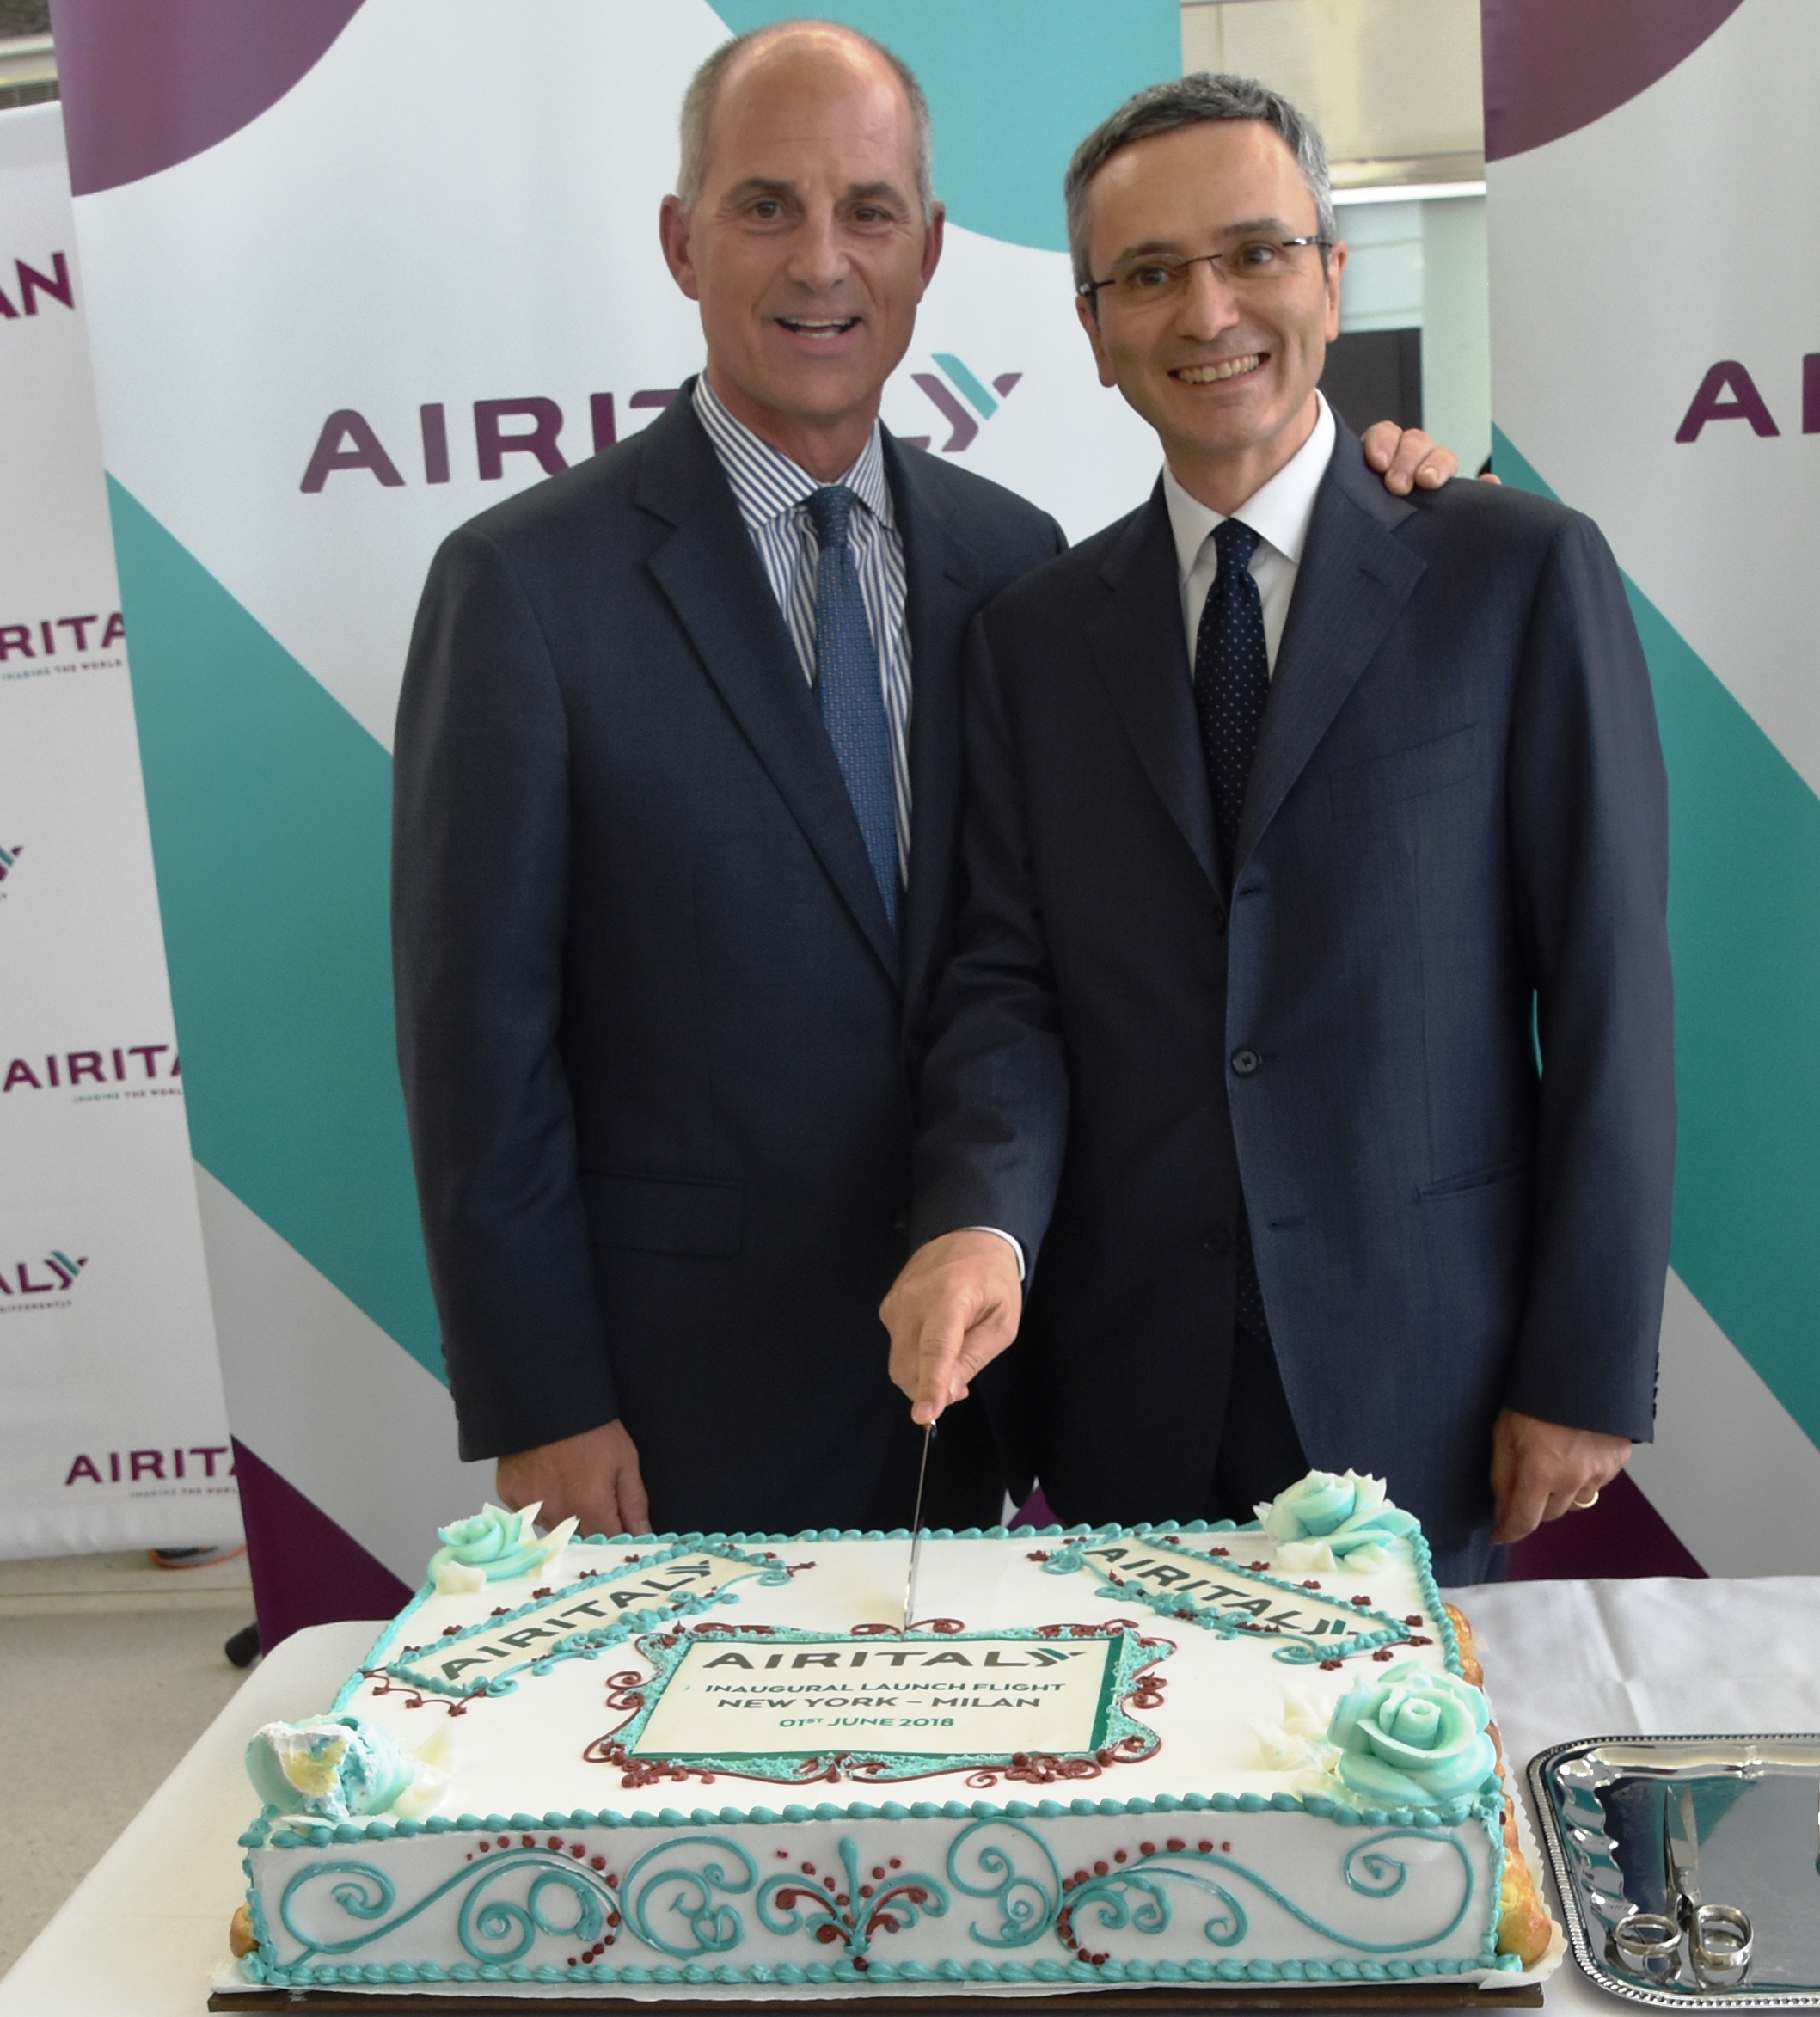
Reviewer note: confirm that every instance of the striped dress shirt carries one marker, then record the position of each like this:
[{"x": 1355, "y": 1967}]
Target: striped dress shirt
[{"x": 770, "y": 490}]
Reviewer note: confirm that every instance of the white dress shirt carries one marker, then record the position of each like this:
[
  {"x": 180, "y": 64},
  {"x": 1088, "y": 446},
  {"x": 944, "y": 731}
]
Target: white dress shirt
[{"x": 1278, "y": 512}]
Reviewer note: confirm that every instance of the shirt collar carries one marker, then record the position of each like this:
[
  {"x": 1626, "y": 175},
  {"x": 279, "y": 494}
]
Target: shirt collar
[
  {"x": 1278, "y": 512},
  {"x": 766, "y": 483}
]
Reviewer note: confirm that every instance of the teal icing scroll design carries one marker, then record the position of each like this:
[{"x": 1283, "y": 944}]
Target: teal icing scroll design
[
  {"x": 1226, "y": 1597},
  {"x": 892, "y": 1902},
  {"x": 681, "y": 1880},
  {"x": 1013, "y": 1867},
  {"x": 491, "y": 1927},
  {"x": 1137, "y": 1895}
]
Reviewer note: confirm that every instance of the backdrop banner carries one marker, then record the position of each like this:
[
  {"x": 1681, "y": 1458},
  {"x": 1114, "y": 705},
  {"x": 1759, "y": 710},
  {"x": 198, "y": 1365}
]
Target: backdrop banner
[
  {"x": 358, "y": 272},
  {"x": 113, "y": 1432},
  {"x": 1678, "y": 407}
]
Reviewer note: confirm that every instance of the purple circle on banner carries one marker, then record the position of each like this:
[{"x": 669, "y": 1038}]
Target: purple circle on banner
[
  {"x": 1551, "y": 66},
  {"x": 145, "y": 87}
]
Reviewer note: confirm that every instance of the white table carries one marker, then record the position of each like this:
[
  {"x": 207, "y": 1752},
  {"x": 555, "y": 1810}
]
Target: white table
[{"x": 145, "y": 1930}]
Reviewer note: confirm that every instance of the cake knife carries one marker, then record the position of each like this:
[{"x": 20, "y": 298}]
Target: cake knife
[{"x": 916, "y": 1553}]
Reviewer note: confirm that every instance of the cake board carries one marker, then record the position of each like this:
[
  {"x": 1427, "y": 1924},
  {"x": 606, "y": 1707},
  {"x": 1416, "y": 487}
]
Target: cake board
[{"x": 1387, "y": 1996}]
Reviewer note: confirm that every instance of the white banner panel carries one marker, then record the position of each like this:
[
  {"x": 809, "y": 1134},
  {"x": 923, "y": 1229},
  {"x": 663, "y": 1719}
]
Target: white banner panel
[
  {"x": 359, "y": 270},
  {"x": 112, "y": 1429}
]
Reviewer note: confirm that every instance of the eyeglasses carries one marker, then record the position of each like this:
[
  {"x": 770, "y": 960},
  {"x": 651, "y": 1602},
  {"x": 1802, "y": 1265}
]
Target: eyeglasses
[{"x": 1163, "y": 276}]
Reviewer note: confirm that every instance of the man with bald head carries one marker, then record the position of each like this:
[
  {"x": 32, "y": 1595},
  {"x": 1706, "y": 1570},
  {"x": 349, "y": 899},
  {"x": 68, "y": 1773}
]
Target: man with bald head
[{"x": 675, "y": 862}]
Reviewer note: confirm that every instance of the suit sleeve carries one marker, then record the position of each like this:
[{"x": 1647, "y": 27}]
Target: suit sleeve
[
  {"x": 993, "y": 1114},
  {"x": 1589, "y": 839},
  {"x": 481, "y": 832}
]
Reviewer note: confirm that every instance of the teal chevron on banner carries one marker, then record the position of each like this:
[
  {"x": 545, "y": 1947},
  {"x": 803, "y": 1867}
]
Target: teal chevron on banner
[
  {"x": 1745, "y": 926},
  {"x": 1012, "y": 87},
  {"x": 271, "y": 812}
]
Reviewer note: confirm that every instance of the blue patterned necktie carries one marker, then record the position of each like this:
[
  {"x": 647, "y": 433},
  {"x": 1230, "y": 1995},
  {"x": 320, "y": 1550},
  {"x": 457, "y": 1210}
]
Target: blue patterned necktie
[
  {"x": 849, "y": 688},
  {"x": 1231, "y": 687},
  {"x": 1231, "y": 679}
]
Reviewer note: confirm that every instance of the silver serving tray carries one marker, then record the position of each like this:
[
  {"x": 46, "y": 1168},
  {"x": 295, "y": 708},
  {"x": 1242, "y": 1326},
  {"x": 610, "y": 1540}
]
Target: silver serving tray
[{"x": 1604, "y": 1805}]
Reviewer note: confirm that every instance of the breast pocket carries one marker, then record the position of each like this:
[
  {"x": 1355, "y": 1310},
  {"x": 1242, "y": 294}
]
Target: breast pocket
[{"x": 1404, "y": 773}]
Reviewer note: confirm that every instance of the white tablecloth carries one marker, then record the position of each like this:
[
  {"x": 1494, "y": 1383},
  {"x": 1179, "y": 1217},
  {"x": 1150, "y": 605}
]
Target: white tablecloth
[{"x": 143, "y": 1933}]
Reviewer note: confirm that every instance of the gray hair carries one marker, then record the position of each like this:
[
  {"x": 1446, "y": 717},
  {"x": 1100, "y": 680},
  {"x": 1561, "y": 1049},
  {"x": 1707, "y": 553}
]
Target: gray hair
[
  {"x": 1189, "y": 101},
  {"x": 704, "y": 87}
]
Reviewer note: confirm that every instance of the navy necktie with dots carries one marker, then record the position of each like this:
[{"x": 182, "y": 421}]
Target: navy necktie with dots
[
  {"x": 1231, "y": 679},
  {"x": 848, "y": 690},
  {"x": 1231, "y": 688}
]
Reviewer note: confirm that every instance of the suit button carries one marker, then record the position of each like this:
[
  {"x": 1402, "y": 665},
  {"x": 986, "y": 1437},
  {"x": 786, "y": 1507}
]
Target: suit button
[
  {"x": 1246, "y": 1062},
  {"x": 1216, "y": 1240}
]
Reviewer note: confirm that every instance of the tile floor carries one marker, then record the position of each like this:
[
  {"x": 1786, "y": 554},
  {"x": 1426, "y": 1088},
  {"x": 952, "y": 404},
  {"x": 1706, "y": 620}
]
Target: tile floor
[{"x": 110, "y": 1668}]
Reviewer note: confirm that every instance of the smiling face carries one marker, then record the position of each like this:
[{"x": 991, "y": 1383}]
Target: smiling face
[
  {"x": 806, "y": 246},
  {"x": 1226, "y": 374}
]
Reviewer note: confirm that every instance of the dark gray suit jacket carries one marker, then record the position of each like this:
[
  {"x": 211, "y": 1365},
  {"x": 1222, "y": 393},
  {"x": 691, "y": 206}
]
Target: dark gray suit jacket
[
  {"x": 1452, "y": 860},
  {"x": 652, "y": 1023}
]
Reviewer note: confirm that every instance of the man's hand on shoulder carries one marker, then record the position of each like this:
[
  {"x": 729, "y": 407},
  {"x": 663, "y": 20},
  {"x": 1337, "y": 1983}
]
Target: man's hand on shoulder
[
  {"x": 593, "y": 1476},
  {"x": 1540, "y": 1470},
  {"x": 1406, "y": 457},
  {"x": 953, "y": 1309}
]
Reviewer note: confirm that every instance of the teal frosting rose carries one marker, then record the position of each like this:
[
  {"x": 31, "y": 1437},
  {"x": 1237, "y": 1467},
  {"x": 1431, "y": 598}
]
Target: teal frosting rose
[
  {"x": 1413, "y": 1737},
  {"x": 1328, "y": 1520},
  {"x": 332, "y": 1767},
  {"x": 493, "y": 1545}
]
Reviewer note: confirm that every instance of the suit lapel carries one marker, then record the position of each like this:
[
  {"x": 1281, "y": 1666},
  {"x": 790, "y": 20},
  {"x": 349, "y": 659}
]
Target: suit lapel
[
  {"x": 942, "y": 592},
  {"x": 1139, "y": 652},
  {"x": 1353, "y": 581},
  {"x": 711, "y": 577}
]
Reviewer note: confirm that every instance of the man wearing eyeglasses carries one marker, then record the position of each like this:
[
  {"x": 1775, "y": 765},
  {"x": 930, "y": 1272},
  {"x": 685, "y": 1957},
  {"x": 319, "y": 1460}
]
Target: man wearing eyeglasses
[{"x": 1311, "y": 1039}]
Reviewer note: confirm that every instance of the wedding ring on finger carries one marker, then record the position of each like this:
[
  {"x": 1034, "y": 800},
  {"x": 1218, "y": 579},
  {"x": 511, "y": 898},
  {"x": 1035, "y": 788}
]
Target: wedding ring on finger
[
  {"x": 1719, "y": 1940},
  {"x": 1587, "y": 1505},
  {"x": 1649, "y": 1944}
]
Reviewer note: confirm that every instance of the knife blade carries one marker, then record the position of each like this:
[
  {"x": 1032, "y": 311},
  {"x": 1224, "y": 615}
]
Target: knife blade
[
  {"x": 916, "y": 1553},
  {"x": 1681, "y": 1851}
]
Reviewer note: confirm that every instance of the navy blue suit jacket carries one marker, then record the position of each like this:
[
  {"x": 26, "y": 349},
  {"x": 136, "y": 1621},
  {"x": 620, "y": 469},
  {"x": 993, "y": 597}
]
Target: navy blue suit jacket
[
  {"x": 1452, "y": 853},
  {"x": 652, "y": 1023}
]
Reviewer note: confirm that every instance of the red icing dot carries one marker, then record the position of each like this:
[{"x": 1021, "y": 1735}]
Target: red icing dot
[
  {"x": 1383, "y": 1653},
  {"x": 556, "y": 1841},
  {"x": 1119, "y": 1855},
  {"x": 612, "y": 1918},
  {"x": 1147, "y": 1849},
  {"x": 783, "y": 1855},
  {"x": 865, "y": 1891},
  {"x": 877, "y": 1869},
  {"x": 486, "y": 1845},
  {"x": 597, "y": 1862},
  {"x": 530, "y": 1841},
  {"x": 826, "y": 1932},
  {"x": 1176, "y": 1843},
  {"x": 829, "y": 1881},
  {"x": 506, "y": 1842},
  {"x": 579, "y": 1850},
  {"x": 1099, "y": 1869},
  {"x": 1327, "y": 1666},
  {"x": 1205, "y": 1847},
  {"x": 1417, "y": 1620},
  {"x": 785, "y": 1899},
  {"x": 1225, "y": 1849},
  {"x": 808, "y": 1869},
  {"x": 897, "y": 1863}
]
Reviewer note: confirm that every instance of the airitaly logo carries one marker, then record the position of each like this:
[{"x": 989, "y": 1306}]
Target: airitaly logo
[
  {"x": 9, "y": 861},
  {"x": 29, "y": 284},
  {"x": 53, "y": 1275},
  {"x": 964, "y": 428},
  {"x": 129, "y": 1467},
  {"x": 59, "y": 644},
  {"x": 98, "y": 1075},
  {"x": 348, "y": 441},
  {"x": 1728, "y": 392}
]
